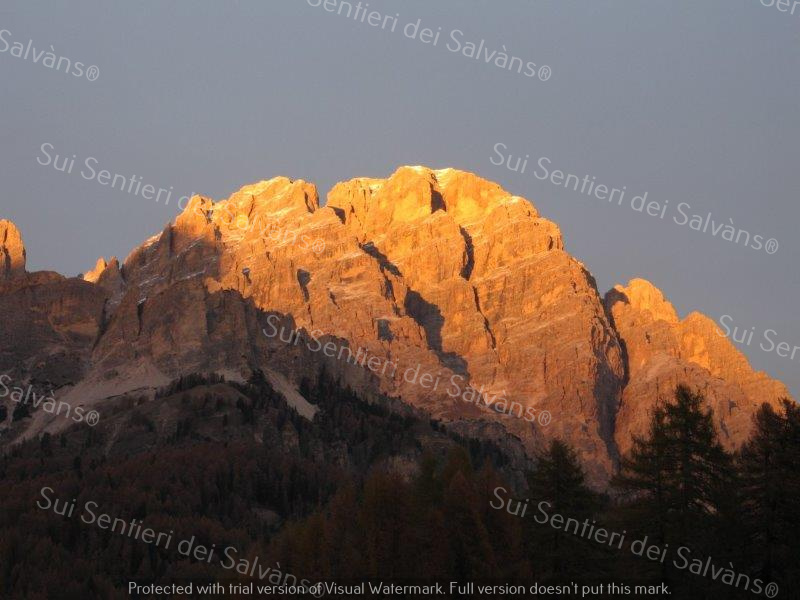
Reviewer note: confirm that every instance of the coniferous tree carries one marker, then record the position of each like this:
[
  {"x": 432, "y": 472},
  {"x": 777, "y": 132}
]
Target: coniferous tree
[
  {"x": 680, "y": 472},
  {"x": 560, "y": 481},
  {"x": 678, "y": 482},
  {"x": 770, "y": 486},
  {"x": 644, "y": 478},
  {"x": 701, "y": 469}
]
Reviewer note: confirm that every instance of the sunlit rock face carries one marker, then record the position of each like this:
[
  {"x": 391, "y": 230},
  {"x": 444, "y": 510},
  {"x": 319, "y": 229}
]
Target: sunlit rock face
[
  {"x": 435, "y": 272},
  {"x": 663, "y": 351},
  {"x": 12, "y": 251},
  {"x": 494, "y": 297}
]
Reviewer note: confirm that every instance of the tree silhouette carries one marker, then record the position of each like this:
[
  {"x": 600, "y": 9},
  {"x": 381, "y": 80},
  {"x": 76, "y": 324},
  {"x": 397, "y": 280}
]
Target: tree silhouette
[
  {"x": 560, "y": 481},
  {"x": 770, "y": 488},
  {"x": 678, "y": 481}
]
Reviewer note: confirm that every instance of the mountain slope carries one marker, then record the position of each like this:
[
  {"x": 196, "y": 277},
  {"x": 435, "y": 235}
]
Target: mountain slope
[
  {"x": 428, "y": 272},
  {"x": 664, "y": 351}
]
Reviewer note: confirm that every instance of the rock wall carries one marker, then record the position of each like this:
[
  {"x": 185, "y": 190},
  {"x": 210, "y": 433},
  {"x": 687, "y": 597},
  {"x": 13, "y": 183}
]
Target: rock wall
[{"x": 434, "y": 272}]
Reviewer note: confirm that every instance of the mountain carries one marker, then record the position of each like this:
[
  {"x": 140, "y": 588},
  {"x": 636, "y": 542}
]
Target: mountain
[
  {"x": 433, "y": 287},
  {"x": 664, "y": 351}
]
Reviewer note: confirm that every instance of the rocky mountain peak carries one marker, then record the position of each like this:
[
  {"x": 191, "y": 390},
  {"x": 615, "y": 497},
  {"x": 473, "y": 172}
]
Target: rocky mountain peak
[
  {"x": 275, "y": 200},
  {"x": 94, "y": 274},
  {"x": 12, "y": 251},
  {"x": 645, "y": 298},
  {"x": 412, "y": 193},
  {"x": 663, "y": 351},
  {"x": 106, "y": 274}
]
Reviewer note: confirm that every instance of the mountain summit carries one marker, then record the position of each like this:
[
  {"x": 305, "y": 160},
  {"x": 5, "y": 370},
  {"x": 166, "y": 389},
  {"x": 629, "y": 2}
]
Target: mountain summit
[
  {"x": 12, "y": 251},
  {"x": 437, "y": 272}
]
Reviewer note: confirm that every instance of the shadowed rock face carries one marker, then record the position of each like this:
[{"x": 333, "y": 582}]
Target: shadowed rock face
[
  {"x": 47, "y": 323},
  {"x": 433, "y": 272}
]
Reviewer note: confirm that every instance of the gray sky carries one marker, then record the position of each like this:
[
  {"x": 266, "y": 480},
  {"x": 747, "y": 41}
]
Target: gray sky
[{"x": 693, "y": 102}]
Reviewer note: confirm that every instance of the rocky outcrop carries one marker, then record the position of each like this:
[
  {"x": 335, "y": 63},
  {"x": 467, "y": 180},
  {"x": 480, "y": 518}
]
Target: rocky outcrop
[
  {"x": 435, "y": 287},
  {"x": 498, "y": 299},
  {"x": 663, "y": 351},
  {"x": 107, "y": 275},
  {"x": 49, "y": 324},
  {"x": 12, "y": 251}
]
